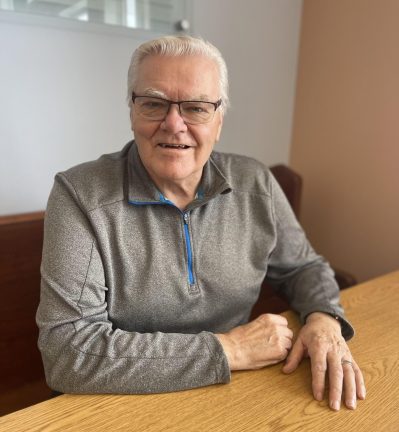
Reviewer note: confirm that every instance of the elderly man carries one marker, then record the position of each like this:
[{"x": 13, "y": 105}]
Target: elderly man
[{"x": 154, "y": 256}]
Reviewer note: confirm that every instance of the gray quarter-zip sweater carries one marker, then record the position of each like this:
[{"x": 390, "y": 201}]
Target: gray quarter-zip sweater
[{"x": 133, "y": 289}]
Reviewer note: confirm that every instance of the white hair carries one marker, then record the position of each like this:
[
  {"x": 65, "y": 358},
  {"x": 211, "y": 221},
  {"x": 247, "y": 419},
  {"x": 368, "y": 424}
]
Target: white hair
[{"x": 178, "y": 46}]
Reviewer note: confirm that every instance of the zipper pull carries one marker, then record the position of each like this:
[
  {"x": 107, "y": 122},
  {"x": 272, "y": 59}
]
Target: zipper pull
[{"x": 185, "y": 217}]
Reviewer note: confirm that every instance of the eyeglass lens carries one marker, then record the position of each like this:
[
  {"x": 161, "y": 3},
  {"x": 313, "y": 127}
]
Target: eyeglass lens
[{"x": 191, "y": 111}]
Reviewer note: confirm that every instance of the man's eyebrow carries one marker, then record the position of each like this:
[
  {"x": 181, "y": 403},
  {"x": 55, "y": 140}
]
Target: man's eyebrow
[
  {"x": 202, "y": 97},
  {"x": 155, "y": 93},
  {"x": 151, "y": 92}
]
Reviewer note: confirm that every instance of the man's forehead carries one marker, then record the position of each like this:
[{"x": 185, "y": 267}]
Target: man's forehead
[{"x": 178, "y": 78}]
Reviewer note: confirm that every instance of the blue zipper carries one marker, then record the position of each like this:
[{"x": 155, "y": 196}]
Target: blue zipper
[
  {"x": 189, "y": 250},
  {"x": 164, "y": 200}
]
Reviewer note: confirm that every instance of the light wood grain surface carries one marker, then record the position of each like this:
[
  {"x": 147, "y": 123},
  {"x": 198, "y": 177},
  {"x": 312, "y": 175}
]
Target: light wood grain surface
[{"x": 264, "y": 400}]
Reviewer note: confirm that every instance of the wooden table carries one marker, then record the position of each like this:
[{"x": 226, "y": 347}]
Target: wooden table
[{"x": 264, "y": 400}]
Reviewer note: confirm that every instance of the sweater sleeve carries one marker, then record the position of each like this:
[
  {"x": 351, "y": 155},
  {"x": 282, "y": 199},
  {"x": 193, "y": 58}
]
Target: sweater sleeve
[
  {"x": 304, "y": 278},
  {"x": 82, "y": 350}
]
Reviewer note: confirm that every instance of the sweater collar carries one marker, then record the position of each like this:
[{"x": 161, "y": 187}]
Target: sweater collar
[{"x": 142, "y": 190}]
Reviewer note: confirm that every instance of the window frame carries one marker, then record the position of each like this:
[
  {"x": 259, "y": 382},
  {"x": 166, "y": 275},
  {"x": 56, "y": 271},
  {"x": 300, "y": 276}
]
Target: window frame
[{"x": 12, "y": 17}]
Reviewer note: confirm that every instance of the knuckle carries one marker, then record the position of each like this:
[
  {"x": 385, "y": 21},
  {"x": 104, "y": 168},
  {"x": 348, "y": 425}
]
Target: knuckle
[
  {"x": 267, "y": 318},
  {"x": 337, "y": 371},
  {"x": 264, "y": 318},
  {"x": 320, "y": 367},
  {"x": 282, "y": 354},
  {"x": 281, "y": 347},
  {"x": 319, "y": 341},
  {"x": 284, "y": 321},
  {"x": 275, "y": 339},
  {"x": 335, "y": 388}
]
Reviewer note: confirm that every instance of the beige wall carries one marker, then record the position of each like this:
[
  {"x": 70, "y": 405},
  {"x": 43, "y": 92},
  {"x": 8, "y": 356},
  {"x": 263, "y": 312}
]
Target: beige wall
[{"x": 346, "y": 132}]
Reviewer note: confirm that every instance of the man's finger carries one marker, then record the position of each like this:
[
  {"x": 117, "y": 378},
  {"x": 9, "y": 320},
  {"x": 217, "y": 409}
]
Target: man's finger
[
  {"x": 319, "y": 367},
  {"x": 294, "y": 357},
  {"x": 336, "y": 377},
  {"x": 360, "y": 386},
  {"x": 349, "y": 388}
]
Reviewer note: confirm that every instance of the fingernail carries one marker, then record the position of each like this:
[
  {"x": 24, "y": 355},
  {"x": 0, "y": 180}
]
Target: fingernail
[
  {"x": 351, "y": 403},
  {"x": 335, "y": 405},
  {"x": 363, "y": 392},
  {"x": 319, "y": 396},
  {"x": 286, "y": 368}
]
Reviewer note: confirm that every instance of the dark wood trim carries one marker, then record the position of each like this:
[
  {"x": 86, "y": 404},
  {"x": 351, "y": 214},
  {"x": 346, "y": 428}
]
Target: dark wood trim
[
  {"x": 21, "y": 218},
  {"x": 21, "y": 241}
]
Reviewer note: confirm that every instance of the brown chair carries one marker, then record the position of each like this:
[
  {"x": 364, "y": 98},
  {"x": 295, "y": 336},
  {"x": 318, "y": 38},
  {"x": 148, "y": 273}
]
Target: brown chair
[
  {"x": 21, "y": 371},
  {"x": 291, "y": 184},
  {"x": 269, "y": 301}
]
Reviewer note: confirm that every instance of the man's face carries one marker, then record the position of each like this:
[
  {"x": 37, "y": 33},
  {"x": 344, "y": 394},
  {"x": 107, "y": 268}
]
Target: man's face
[{"x": 176, "y": 79}]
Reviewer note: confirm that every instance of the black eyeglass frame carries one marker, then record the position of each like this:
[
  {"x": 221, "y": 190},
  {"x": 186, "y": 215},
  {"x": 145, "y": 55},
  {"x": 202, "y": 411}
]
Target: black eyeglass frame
[{"x": 216, "y": 104}]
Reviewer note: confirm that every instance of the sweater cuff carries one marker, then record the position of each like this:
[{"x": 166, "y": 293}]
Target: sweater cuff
[{"x": 222, "y": 367}]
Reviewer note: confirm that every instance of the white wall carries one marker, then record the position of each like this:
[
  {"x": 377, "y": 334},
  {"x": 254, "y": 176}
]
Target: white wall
[
  {"x": 62, "y": 102},
  {"x": 63, "y": 92}
]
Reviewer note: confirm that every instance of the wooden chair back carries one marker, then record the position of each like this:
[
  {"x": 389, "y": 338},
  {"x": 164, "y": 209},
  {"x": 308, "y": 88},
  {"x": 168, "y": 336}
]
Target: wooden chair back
[{"x": 21, "y": 240}]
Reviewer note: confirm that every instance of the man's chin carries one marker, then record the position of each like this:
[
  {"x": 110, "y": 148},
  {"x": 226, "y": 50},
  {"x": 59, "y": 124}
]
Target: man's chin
[{"x": 179, "y": 173}]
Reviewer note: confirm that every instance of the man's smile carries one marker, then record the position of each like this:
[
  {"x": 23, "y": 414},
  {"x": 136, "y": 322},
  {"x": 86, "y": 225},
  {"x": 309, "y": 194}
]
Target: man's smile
[{"x": 174, "y": 146}]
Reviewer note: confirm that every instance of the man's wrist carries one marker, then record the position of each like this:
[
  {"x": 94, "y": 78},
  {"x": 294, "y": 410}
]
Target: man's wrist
[
  {"x": 314, "y": 316},
  {"x": 227, "y": 348}
]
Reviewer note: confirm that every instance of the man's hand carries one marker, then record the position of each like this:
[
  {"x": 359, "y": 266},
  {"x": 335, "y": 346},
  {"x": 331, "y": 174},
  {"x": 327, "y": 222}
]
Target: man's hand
[
  {"x": 262, "y": 342},
  {"x": 320, "y": 339}
]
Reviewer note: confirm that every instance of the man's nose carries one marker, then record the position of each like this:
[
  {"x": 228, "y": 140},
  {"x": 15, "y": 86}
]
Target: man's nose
[{"x": 173, "y": 122}]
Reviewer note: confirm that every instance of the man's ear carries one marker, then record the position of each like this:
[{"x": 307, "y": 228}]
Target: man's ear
[
  {"x": 219, "y": 131},
  {"x": 131, "y": 119}
]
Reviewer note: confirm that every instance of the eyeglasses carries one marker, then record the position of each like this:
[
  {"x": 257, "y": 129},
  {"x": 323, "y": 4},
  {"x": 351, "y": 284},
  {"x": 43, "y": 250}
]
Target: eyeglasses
[{"x": 192, "y": 112}]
